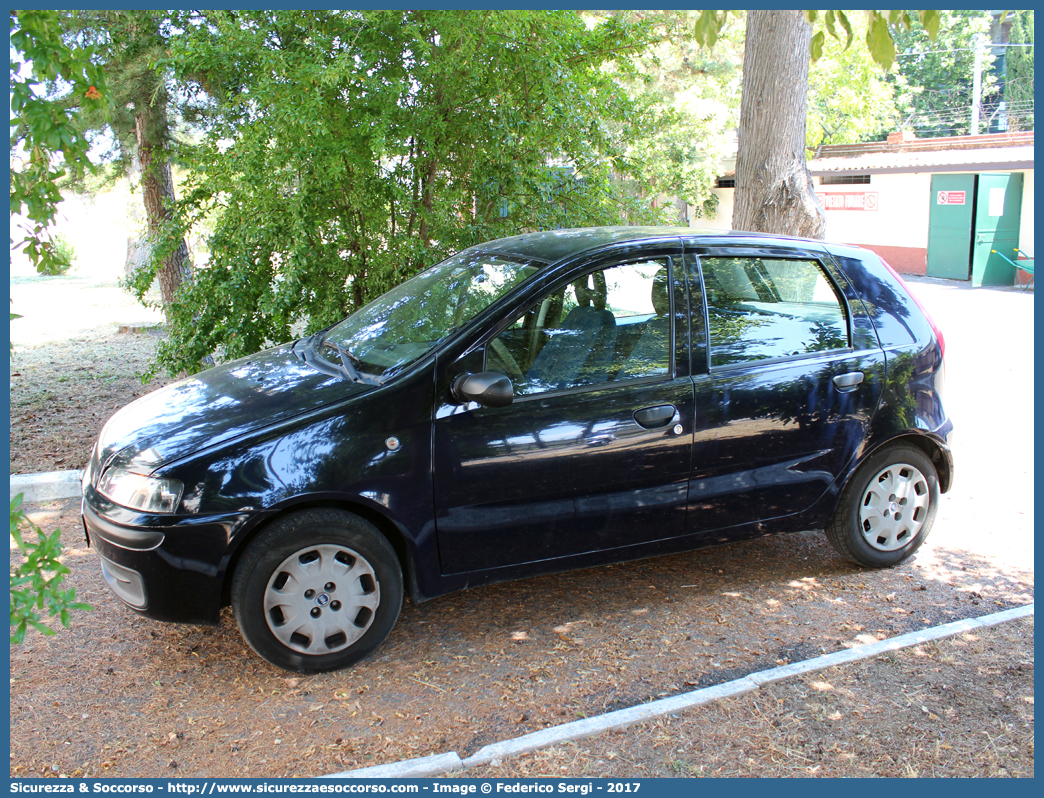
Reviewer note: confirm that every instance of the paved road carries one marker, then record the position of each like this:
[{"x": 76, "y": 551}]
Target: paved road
[{"x": 989, "y": 395}]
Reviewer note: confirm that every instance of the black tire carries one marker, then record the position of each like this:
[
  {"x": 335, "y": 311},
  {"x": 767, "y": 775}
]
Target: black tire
[
  {"x": 887, "y": 509},
  {"x": 317, "y": 591}
]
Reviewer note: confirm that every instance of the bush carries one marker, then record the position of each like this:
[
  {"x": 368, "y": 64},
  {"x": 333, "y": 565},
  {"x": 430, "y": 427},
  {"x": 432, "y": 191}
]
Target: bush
[
  {"x": 64, "y": 255},
  {"x": 37, "y": 581}
]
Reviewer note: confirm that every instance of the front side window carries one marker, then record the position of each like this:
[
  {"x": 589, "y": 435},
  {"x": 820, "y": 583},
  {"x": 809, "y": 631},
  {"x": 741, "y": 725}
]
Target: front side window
[
  {"x": 760, "y": 308},
  {"x": 404, "y": 324},
  {"x": 610, "y": 325}
]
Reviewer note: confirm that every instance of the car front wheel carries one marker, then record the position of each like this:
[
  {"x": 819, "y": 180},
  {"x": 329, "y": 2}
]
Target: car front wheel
[
  {"x": 887, "y": 509},
  {"x": 317, "y": 591}
]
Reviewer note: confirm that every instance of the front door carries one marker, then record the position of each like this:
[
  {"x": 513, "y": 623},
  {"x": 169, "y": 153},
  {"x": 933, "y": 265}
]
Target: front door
[
  {"x": 784, "y": 402},
  {"x": 950, "y": 225},
  {"x": 594, "y": 451},
  {"x": 998, "y": 210}
]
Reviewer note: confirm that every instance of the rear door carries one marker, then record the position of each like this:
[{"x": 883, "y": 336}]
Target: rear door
[{"x": 783, "y": 390}]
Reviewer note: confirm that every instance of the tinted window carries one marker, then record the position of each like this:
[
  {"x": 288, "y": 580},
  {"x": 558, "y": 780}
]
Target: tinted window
[
  {"x": 612, "y": 324},
  {"x": 760, "y": 308}
]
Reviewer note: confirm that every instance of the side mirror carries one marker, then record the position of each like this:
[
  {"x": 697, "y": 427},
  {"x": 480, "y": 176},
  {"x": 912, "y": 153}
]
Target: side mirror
[{"x": 488, "y": 388}]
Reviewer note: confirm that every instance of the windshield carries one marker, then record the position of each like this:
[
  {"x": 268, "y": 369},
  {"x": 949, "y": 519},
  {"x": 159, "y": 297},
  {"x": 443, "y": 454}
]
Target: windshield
[{"x": 402, "y": 325}]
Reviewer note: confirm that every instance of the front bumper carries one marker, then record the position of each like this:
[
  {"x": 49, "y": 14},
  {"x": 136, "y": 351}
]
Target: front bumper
[{"x": 173, "y": 572}]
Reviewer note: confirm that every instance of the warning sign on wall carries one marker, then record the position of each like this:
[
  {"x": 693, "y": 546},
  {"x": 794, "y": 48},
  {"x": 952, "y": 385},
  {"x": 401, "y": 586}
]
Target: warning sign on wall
[
  {"x": 848, "y": 201},
  {"x": 951, "y": 197}
]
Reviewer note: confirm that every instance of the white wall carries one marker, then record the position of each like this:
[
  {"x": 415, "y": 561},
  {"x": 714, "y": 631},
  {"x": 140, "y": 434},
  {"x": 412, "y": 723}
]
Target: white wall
[
  {"x": 904, "y": 203},
  {"x": 723, "y": 218},
  {"x": 901, "y": 218}
]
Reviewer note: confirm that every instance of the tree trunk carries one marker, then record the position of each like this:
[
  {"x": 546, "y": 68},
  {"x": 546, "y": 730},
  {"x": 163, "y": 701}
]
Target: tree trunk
[
  {"x": 774, "y": 192},
  {"x": 427, "y": 198},
  {"x": 157, "y": 190}
]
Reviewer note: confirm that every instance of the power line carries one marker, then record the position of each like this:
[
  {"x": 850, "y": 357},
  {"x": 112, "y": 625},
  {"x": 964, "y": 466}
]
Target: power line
[{"x": 958, "y": 49}]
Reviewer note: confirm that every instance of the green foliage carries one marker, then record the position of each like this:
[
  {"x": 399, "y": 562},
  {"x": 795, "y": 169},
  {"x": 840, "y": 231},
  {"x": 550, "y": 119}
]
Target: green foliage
[
  {"x": 849, "y": 97},
  {"x": 36, "y": 583},
  {"x": 343, "y": 151},
  {"x": 65, "y": 257},
  {"x": 692, "y": 94},
  {"x": 46, "y": 143},
  {"x": 880, "y": 30},
  {"x": 1018, "y": 86},
  {"x": 708, "y": 26},
  {"x": 933, "y": 75},
  {"x": 130, "y": 45}
]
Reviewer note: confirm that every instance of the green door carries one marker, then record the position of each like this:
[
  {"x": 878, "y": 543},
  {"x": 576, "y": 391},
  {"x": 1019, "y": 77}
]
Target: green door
[
  {"x": 998, "y": 209},
  {"x": 950, "y": 226}
]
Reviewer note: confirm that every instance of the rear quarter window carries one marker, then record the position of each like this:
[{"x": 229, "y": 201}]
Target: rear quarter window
[{"x": 896, "y": 318}]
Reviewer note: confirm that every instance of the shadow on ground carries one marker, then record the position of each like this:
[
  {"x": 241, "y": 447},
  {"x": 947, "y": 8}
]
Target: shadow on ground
[{"x": 125, "y": 696}]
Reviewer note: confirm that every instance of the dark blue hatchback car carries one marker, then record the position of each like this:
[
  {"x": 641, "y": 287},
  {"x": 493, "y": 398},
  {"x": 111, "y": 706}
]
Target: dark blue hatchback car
[{"x": 539, "y": 403}]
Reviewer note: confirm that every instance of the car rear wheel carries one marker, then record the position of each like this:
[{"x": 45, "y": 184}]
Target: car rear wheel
[
  {"x": 887, "y": 509},
  {"x": 317, "y": 591}
]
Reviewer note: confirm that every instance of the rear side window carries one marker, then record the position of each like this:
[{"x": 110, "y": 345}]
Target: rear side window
[{"x": 760, "y": 308}]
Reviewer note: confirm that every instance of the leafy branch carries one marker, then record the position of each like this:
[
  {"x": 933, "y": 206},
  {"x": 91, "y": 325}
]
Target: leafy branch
[
  {"x": 36, "y": 583},
  {"x": 880, "y": 31},
  {"x": 49, "y": 139}
]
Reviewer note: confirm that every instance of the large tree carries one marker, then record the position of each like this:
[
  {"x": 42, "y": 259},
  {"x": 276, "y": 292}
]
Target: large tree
[
  {"x": 344, "y": 151},
  {"x": 773, "y": 186},
  {"x": 774, "y": 192},
  {"x": 131, "y": 47}
]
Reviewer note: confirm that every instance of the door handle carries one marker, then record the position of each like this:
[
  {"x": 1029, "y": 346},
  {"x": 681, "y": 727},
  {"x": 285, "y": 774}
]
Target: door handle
[
  {"x": 846, "y": 382},
  {"x": 654, "y": 417}
]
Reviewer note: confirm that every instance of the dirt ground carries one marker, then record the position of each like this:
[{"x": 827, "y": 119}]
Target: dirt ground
[
  {"x": 911, "y": 713},
  {"x": 124, "y": 696},
  {"x": 71, "y": 367},
  {"x": 118, "y": 695},
  {"x": 63, "y": 393}
]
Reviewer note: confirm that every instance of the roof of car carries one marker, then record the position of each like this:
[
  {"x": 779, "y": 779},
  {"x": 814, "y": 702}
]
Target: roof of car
[{"x": 554, "y": 245}]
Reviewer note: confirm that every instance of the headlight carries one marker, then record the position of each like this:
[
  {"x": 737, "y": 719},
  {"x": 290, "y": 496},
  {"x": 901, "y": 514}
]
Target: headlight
[{"x": 138, "y": 492}]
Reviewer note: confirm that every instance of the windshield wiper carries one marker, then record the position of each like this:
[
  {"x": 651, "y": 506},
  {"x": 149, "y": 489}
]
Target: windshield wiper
[{"x": 346, "y": 362}]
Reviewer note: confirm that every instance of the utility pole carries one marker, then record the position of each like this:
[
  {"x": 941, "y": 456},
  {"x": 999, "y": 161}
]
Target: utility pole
[{"x": 977, "y": 85}]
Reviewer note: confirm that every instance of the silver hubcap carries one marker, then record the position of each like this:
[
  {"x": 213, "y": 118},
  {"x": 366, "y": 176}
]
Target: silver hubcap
[
  {"x": 321, "y": 599},
  {"x": 894, "y": 507}
]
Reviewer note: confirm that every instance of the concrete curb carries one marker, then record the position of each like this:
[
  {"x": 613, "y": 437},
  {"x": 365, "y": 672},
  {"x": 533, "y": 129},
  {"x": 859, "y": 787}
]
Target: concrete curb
[
  {"x": 620, "y": 719},
  {"x": 47, "y": 486},
  {"x": 440, "y": 764},
  {"x": 435, "y": 765}
]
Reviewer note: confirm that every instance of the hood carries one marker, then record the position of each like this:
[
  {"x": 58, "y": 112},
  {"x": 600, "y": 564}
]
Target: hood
[{"x": 219, "y": 404}]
